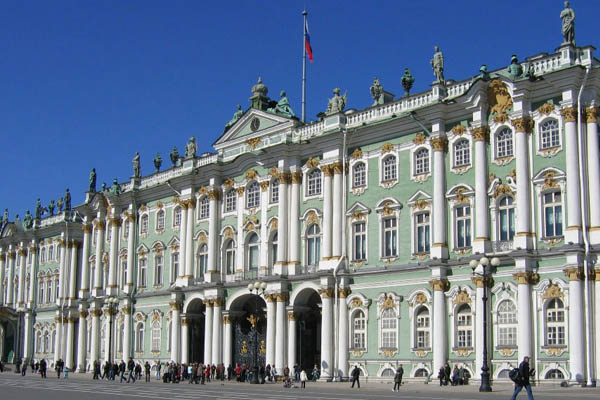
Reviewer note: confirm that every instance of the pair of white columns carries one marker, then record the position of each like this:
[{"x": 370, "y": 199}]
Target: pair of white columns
[
  {"x": 573, "y": 231},
  {"x": 440, "y": 333},
  {"x": 115, "y": 224},
  {"x": 331, "y": 245},
  {"x": 212, "y": 273},
  {"x": 186, "y": 242},
  {"x": 593, "y": 165},
  {"x": 98, "y": 289},
  {"x": 213, "y": 332},
  {"x": 22, "y": 268}
]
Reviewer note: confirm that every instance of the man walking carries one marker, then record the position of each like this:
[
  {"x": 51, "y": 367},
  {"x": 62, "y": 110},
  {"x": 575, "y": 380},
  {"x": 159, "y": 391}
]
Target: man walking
[
  {"x": 523, "y": 381},
  {"x": 398, "y": 378},
  {"x": 355, "y": 375},
  {"x": 131, "y": 368},
  {"x": 43, "y": 366}
]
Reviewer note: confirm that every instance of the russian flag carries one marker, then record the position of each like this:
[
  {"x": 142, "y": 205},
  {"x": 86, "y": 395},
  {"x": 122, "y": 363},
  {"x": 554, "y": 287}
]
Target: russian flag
[{"x": 307, "y": 41}]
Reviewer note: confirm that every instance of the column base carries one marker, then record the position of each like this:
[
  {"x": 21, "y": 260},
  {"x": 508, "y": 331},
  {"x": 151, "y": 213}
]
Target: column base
[
  {"x": 293, "y": 268},
  {"x": 439, "y": 250},
  {"x": 594, "y": 232},
  {"x": 184, "y": 281},
  {"x": 112, "y": 291},
  {"x": 280, "y": 268},
  {"x": 573, "y": 235},
  {"x": 97, "y": 292},
  {"x": 212, "y": 276},
  {"x": 523, "y": 241},
  {"x": 481, "y": 245},
  {"x": 84, "y": 294}
]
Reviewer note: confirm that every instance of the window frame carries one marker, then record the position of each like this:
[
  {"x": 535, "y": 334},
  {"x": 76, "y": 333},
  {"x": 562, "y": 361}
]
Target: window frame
[
  {"x": 418, "y": 158},
  {"x": 468, "y": 221},
  {"x": 253, "y": 195},
  {"x": 274, "y": 191},
  {"x": 553, "y": 205},
  {"x": 360, "y": 331},
  {"x": 389, "y": 170},
  {"x": 360, "y": 175},
  {"x": 391, "y": 341},
  {"x": 508, "y": 212},
  {"x": 419, "y": 226},
  {"x": 392, "y": 237},
  {"x": 559, "y": 326},
  {"x": 425, "y": 329},
  {"x": 144, "y": 224},
  {"x": 506, "y": 327},
  {"x": 462, "y": 327},
  {"x": 359, "y": 253},
  {"x": 230, "y": 201},
  {"x": 160, "y": 220},
  {"x": 314, "y": 182},
  {"x": 159, "y": 268},
  {"x": 313, "y": 244},
  {"x": 464, "y": 152},
  {"x": 228, "y": 258},
  {"x": 541, "y": 133},
  {"x": 204, "y": 208}
]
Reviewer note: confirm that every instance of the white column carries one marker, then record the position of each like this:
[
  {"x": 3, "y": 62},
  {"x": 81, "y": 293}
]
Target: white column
[
  {"x": 84, "y": 291},
  {"x": 73, "y": 271},
  {"x": 22, "y": 269},
  {"x": 2, "y": 273},
  {"x": 82, "y": 340},
  {"x": 291, "y": 339},
  {"x": 336, "y": 234},
  {"x": 282, "y": 222},
  {"x": 593, "y": 163},
  {"x": 217, "y": 332},
  {"x": 64, "y": 272},
  {"x": 189, "y": 242},
  {"x": 326, "y": 333},
  {"x": 10, "y": 290},
  {"x": 69, "y": 357},
  {"x": 97, "y": 290},
  {"x": 208, "y": 331},
  {"x": 109, "y": 328},
  {"x": 524, "y": 323},
  {"x": 130, "y": 252},
  {"x": 175, "y": 331},
  {"x": 270, "y": 356},
  {"x": 59, "y": 334},
  {"x": 113, "y": 260},
  {"x": 127, "y": 332},
  {"x": 479, "y": 344},
  {"x": 33, "y": 270},
  {"x": 576, "y": 325},
  {"x": 327, "y": 213},
  {"x": 183, "y": 239},
  {"x": 185, "y": 340},
  {"x": 482, "y": 230},
  {"x": 597, "y": 323},
  {"x": 213, "y": 274},
  {"x": 573, "y": 232},
  {"x": 343, "y": 347},
  {"x": 227, "y": 359},
  {"x": 439, "y": 248},
  {"x": 27, "y": 339},
  {"x": 440, "y": 333},
  {"x": 294, "y": 238},
  {"x": 95, "y": 347},
  {"x": 280, "y": 332},
  {"x": 523, "y": 237}
]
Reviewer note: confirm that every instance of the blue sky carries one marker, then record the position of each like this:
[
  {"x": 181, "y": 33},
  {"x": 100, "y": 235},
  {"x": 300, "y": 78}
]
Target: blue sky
[{"x": 88, "y": 83}]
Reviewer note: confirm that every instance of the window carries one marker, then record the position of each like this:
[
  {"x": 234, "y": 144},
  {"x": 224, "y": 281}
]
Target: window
[
  {"x": 421, "y": 373},
  {"x": 313, "y": 245},
  {"x": 422, "y": 230},
  {"x": 51, "y": 253},
  {"x": 43, "y": 255},
  {"x": 464, "y": 327},
  {"x": 422, "y": 323},
  {"x": 174, "y": 266},
  {"x": 388, "y": 329},
  {"x": 549, "y": 135},
  {"x": 554, "y": 374},
  {"x": 507, "y": 324},
  {"x": 275, "y": 191},
  {"x": 229, "y": 258},
  {"x": 359, "y": 175},
  {"x": 462, "y": 154},
  {"x": 274, "y": 249},
  {"x": 144, "y": 224},
  {"x": 359, "y": 242},
  {"x": 253, "y": 252},
  {"x": 49, "y": 291},
  {"x": 552, "y": 214},
  {"x": 388, "y": 373},
  {"x": 463, "y": 226},
  {"x": 38, "y": 341},
  {"x": 313, "y": 187},
  {"x": 142, "y": 267},
  {"x": 422, "y": 162},
  {"x": 155, "y": 339},
  {"x": 46, "y": 342},
  {"x": 56, "y": 289},
  {"x": 555, "y": 323},
  {"x": 253, "y": 195},
  {"x": 506, "y": 214},
  {"x": 126, "y": 229},
  {"x": 139, "y": 338},
  {"x": 359, "y": 330},
  {"x": 230, "y": 200},
  {"x": 177, "y": 216},
  {"x": 202, "y": 261},
  {"x": 123, "y": 273},
  {"x": 158, "y": 269},
  {"x": 389, "y": 237},
  {"x": 204, "y": 209},
  {"x": 504, "y": 143},
  {"x": 41, "y": 291},
  {"x": 160, "y": 220},
  {"x": 389, "y": 169}
]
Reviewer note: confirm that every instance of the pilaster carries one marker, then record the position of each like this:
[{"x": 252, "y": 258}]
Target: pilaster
[{"x": 524, "y": 236}]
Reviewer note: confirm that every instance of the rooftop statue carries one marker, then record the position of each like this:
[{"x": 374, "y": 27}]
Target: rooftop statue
[
  {"x": 376, "y": 91},
  {"x": 568, "y": 24},
  {"x": 38, "y": 209},
  {"x": 407, "y": 82},
  {"x": 437, "y": 63},
  {"x": 51, "y": 207},
  {"x": 515, "y": 69},
  {"x": 283, "y": 107},
  {"x": 337, "y": 103},
  {"x": 28, "y": 220},
  {"x": 157, "y": 162},
  {"x": 103, "y": 187},
  {"x": 93, "y": 180},
  {"x": 191, "y": 148},
  {"x": 115, "y": 188},
  {"x": 67, "y": 199},
  {"x": 136, "y": 166},
  {"x": 174, "y": 155},
  {"x": 5, "y": 217},
  {"x": 259, "y": 88},
  {"x": 60, "y": 203},
  {"x": 483, "y": 73},
  {"x": 236, "y": 117}
]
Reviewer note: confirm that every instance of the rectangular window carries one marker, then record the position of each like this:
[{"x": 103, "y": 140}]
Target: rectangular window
[
  {"x": 360, "y": 241},
  {"x": 142, "y": 267},
  {"x": 553, "y": 214},
  {"x": 126, "y": 229},
  {"x": 422, "y": 236},
  {"x": 389, "y": 237},
  {"x": 158, "y": 270},
  {"x": 274, "y": 192},
  {"x": 123, "y": 273},
  {"x": 507, "y": 336},
  {"x": 463, "y": 226},
  {"x": 174, "y": 266}
]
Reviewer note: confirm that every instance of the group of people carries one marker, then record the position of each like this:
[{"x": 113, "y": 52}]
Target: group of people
[
  {"x": 41, "y": 367},
  {"x": 454, "y": 377}
]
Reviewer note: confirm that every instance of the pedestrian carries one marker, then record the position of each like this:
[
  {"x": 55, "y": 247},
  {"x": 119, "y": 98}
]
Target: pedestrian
[
  {"x": 229, "y": 372},
  {"x": 66, "y": 372},
  {"x": 523, "y": 381},
  {"x": 296, "y": 372},
  {"x": 96, "y": 367},
  {"x": 303, "y": 379},
  {"x": 2, "y": 366},
  {"x": 122, "y": 369},
  {"x": 355, "y": 376},
  {"x": 43, "y": 366},
  {"x": 316, "y": 373},
  {"x": 157, "y": 369},
  {"x": 441, "y": 375},
  {"x": 398, "y": 378},
  {"x": 131, "y": 368},
  {"x": 60, "y": 364},
  {"x": 447, "y": 371},
  {"x": 268, "y": 372},
  {"x": 455, "y": 376},
  {"x": 147, "y": 371},
  {"x": 207, "y": 372},
  {"x": 24, "y": 368}
]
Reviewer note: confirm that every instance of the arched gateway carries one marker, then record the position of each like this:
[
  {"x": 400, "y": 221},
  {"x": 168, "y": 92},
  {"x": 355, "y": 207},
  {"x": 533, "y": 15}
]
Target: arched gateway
[
  {"x": 247, "y": 316},
  {"x": 195, "y": 320},
  {"x": 307, "y": 317}
]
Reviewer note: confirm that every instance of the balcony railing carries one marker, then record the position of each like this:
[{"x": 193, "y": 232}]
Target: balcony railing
[{"x": 502, "y": 246}]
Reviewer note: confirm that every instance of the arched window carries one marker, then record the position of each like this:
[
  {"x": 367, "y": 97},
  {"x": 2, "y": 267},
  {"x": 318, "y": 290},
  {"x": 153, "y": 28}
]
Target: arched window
[
  {"x": 38, "y": 342},
  {"x": 390, "y": 171},
  {"x": 49, "y": 290},
  {"x": 51, "y": 253},
  {"x": 464, "y": 327},
  {"x": 56, "y": 288},
  {"x": 174, "y": 265},
  {"x": 555, "y": 323},
  {"x": 388, "y": 373},
  {"x": 204, "y": 209},
  {"x": 43, "y": 255},
  {"x": 389, "y": 329},
  {"x": 504, "y": 143},
  {"x": 253, "y": 195},
  {"x": 421, "y": 373},
  {"x": 139, "y": 338},
  {"x": 313, "y": 184},
  {"x": 422, "y": 323},
  {"x": 41, "y": 298},
  {"x": 46, "y": 344},
  {"x": 202, "y": 261},
  {"x": 422, "y": 162},
  {"x": 155, "y": 341},
  {"x": 552, "y": 214},
  {"x": 177, "y": 216},
  {"x": 554, "y": 374},
  {"x": 253, "y": 252},
  {"x": 507, "y": 324},
  {"x": 230, "y": 200},
  {"x": 160, "y": 220},
  {"x": 274, "y": 191},
  {"x": 359, "y": 331},
  {"x": 549, "y": 134},
  {"x": 359, "y": 175},
  {"x": 313, "y": 245},
  {"x": 273, "y": 247},
  {"x": 462, "y": 153},
  {"x": 144, "y": 224},
  {"x": 506, "y": 214},
  {"x": 503, "y": 374},
  {"x": 229, "y": 259},
  {"x": 158, "y": 269}
]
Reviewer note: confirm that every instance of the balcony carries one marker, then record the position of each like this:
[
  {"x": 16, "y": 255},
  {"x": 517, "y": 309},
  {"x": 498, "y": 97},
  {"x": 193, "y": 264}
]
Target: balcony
[{"x": 502, "y": 246}]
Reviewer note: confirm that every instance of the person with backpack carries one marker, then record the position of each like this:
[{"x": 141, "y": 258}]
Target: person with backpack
[
  {"x": 355, "y": 376},
  {"x": 398, "y": 378},
  {"x": 520, "y": 377}
]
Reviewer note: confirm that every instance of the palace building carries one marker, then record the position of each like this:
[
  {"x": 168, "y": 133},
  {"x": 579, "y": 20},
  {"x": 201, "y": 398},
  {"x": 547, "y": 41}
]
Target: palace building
[{"x": 377, "y": 234}]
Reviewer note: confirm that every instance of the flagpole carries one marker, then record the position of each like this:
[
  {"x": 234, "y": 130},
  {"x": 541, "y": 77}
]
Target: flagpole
[{"x": 304, "y": 13}]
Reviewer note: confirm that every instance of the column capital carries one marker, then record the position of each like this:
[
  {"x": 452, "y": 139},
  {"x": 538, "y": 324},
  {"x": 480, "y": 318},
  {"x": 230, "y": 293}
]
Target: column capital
[
  {"x": 439, "y": 143},
  {"x": 481, "y": 134},
  {"x": 439, "y": 285},
  {"x": 296, "y": 177},
  {"x": 569, "y": 114},
  {"x": 83, "y": 314},
  {"x": 214, "y": 194},
  {"x": 338, "y": 167},
  {"x": 99, "y": 224},
  {"x": 284, "y": 178},
  {"x": 344, "y": 292},
  {"x": 291, "y": 316},
  {"x": 22, "y": 252},
  {"x": 264, "y": 186},
  {"x": 226, "y": 319},
  {"x": 11, "y": 255},
  {"x": 483, "y": 281},
  {"x": 218, "y": 302},
  {"x": 326, "y": 293},
  {"x": 574, "y": 273},
  {"x": 175, "y": 305},
  {"x": 130, "y": 216},
  {"x": 526, "y": 278},
  {"x": 74, "y": 243},
  {"x": 114, "y": 222},
  {"x": 96, "y": 312},
  {"x": 185, "y": 322},
  {"x": 86, "y": 228},
  {"x": 208, "y": 302},
  {"x": 523, "y": 124},
  {"x": 281, "y": 297},
  {"x": 191, "y": 203},
  {"x": 591, "y": 114},
  {"x": 240, "y": 191},
  {"x": 327, "y": 169}
]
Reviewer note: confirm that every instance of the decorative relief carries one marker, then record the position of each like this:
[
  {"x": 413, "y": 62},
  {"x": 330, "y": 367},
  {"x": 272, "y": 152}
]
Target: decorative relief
[
  {"x": 574, "y": 273},
  {"x": 388, "y": 303},
  {"x": 251, "y": 174},
  {"x": 160, "y": 204},
  {"x": 499, "y": 98},
  {"x": 439, "y": 144},
  {"x": 228, "y": 183},
  {"x": 546, "y": 108},
  {"x": 462, "y": 297},
  {"x": 202, "y": 238},
  {"x": 553, "y": 291},
  {"x": 273, "y": 225},
  {"x": 285, "y": 178},
  {"x": 356, "y": 154},
  {"x": 240, "y": 191},
  {"x": 500, "y": 118},
  {"x": 387, "y": 147},
  {"x": 291, "y": 316},
  {"x": 214, "y": 194},
  {"x": 357, "y": 302},
  {"x": 344, "y": 292},
  {"x": 549, "y": 180},
  {"x": 526, "y": 278},
  {"x": 554, "y": 351},
  {"x": 503, "y": 189},
  {"x": 357, "y": 352},
  {"x": 297, "y": 177},
  {"x": 326, "y": 293},
  {"x": 463, "y": 352},
  {"x": 228, "y": 233},
  {"x": 481, "y": 134},
  {"x": 312, "y": 218},
  {"x": 420, "y": 353},
  {"x": 389, "y": 352},
  {"x": 253, "y": 142},
  {"x": 264, "y": 186},
  {"x": 312, "y": 163},
  {"x": 459, "y": 130},
  {"x": 327, "y": 170},
  {"x": 420, "y": 298},
  {"x": 460, "y": 196},
  {"x": 358, "y": 215},
  {"x": 420, "y": 138},
  {"x": 523, "y": 124},
  {"x": 591, "y": 114},
  {"x": 569, "y": 114}
]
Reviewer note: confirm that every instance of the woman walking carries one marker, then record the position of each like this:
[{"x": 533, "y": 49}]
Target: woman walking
[{"x": 303, "y": 379}]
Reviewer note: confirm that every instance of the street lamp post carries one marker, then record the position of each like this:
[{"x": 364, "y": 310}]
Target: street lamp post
[
  {"x": 485, "y": 370},
  {"x": 113, "y": 303},
  {"x": 256, "y": 288}
]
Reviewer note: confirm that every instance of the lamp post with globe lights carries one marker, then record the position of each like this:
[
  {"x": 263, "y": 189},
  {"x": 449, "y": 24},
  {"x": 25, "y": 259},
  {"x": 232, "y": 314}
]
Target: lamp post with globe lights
[
  {"x": 256, "y": 288},
  {"x": 479, "y": 268},
  {"x": 112, "y": 303}
]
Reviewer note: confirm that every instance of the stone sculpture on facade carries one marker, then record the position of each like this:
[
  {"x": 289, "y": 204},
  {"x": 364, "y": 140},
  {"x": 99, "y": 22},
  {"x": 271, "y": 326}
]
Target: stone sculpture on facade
[
  {"x": 92, "y": 188},
  {"x": 259, "y": 99},
  {"x": 60, "y": 203},
  {"x": 115, "y": 188},
  {"x": 283, "y": 107},
  {"x": 515, "y": 69},
  {"x": 67, "y": 200},
  {"x": 136, "y": 166},
  {"x": 103, "y": 187},
  {"x": 437, "y": 63},
  {"x": 236, "y": 116},
  {"x": 190, "y": 148},
  {"x": 51, "y": 207},
  {"x": 28, "y": 220},
  {"x": 337, "y": 103},
  {"x": 174, "y": 155},
  {"x": 568, "y": 24},
  {"x": 157, "y": 162},
  {"x": 407, "y": 82},
  {"x": 376, "y": 91},
  {"x": 5, "y": 217},
  {"x": 483, "y": 73},
  {"x": 38, "y": 209}
]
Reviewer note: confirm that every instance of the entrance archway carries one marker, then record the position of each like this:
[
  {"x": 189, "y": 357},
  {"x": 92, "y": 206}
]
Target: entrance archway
[
  {"x": 307, "y": 307},
  {"x": 195, "y": 315},
  {"x": 249, "y": 337}
]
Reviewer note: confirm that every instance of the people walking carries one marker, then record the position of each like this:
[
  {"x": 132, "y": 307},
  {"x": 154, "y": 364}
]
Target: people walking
[
  {"x": 122, "y": 368},
  {"x": 355, "y": 376},
  {"x": 157, "y": 369},
  {"x": 523, "y": 380},
  {"x": 60, "y": 364},
  {"x": 131, "y": 370},
  {"x": 96, "y": 367},
  {"x": 303, "y": 379},
  {"x": 43, "y": 366},
  {"x": 398, "y": 378}
]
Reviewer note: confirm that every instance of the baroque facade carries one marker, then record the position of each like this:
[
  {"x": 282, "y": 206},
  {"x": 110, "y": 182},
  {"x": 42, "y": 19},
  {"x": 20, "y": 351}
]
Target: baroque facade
[{"x": 363, "y": 226}]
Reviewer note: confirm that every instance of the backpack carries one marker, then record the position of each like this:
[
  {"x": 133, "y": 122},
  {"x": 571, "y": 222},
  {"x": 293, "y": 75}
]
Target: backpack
[{"x": 515, "y": 375}]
